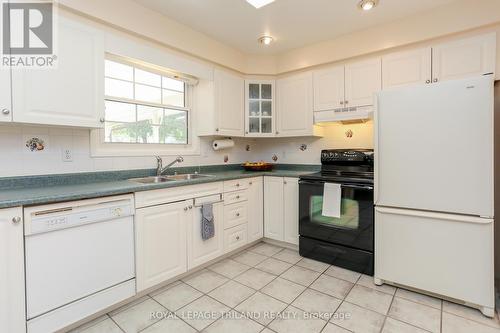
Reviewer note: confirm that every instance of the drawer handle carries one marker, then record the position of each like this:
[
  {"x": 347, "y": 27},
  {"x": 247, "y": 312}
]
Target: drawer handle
[{"x": 237, "y": 237}]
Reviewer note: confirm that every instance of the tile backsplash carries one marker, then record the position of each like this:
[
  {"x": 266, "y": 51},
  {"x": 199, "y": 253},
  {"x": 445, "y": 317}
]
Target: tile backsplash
[{"x": 16, "y": 159}]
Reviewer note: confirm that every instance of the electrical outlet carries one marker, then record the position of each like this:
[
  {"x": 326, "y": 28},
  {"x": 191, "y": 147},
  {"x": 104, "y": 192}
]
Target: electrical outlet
[{"x": 67, "y": 155}]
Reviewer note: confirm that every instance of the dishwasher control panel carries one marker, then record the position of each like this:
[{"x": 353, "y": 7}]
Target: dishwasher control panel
[{"x": 45, "y": 220}]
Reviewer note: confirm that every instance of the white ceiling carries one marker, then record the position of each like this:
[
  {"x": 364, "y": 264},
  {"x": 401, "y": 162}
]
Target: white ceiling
[{"x": 293, "y": 23}]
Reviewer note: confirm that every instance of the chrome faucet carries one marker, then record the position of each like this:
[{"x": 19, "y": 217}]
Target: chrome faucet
[{"x": 160, "y": 169}]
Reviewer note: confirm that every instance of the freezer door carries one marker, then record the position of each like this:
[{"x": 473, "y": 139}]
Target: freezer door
[
  {"x": 434, "y": 147},
  {"x": 449, "y": 255}
]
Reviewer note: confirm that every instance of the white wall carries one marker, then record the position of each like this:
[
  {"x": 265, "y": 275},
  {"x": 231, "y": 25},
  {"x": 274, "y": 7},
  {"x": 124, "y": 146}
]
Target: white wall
[
  {"x": 288, "y": 149},
  {"x": 17, "y": 160}
]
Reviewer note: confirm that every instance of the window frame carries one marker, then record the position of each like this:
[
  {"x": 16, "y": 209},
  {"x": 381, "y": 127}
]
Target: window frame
[{"x": 101, "y": 148}]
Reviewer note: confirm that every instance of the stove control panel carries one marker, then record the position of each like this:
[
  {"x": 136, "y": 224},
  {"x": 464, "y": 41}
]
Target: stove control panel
[{"x": 333, "y": 156}]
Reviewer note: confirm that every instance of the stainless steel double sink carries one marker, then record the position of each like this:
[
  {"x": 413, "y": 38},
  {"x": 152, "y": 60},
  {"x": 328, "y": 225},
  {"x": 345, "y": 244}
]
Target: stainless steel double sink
[{"x": 170, "y": 178}]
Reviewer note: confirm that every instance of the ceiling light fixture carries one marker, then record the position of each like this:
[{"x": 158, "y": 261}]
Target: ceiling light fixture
[
  {"x": 367, "y": 4},
  {"x": 266, "y": 40},
  {"x": 259, "y": 3}
]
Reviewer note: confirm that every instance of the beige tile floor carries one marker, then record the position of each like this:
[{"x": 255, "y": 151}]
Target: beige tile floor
[{"x": 281, "y": 292}]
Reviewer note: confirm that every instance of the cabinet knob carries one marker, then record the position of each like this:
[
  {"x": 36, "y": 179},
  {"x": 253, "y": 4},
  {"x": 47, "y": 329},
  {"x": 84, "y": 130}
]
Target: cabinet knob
[
  {"x": 237, "y": 197},
  {"x": 250, "y": 183},
  {"x": 190, "y": 206},
  {"x": 16, "y": 219},
  {"x": 341, "y": 102},
  {"x": 427, "y": 81},
  {"x": 238, "y": 185},
  {"x": 185, "y": 209},
  {"x": 237, "y": 214},
  {"x": 102, "y": 120},
  {"x": 277, "y": 132},
  {"x": 237, "y": 237},
  {"x": 246, "y": 132},
  {"x": 435, "y": 80},
  {"x": 5, "y": 111},
  {"x": 346, "y": 102},
  {"x": 216, "y": 129},
  {"x": 284, "y": 182}
]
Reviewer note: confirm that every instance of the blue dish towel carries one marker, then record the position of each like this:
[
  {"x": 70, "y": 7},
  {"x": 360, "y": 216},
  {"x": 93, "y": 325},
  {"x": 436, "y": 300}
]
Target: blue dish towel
[{"x": 207, "y": 222}]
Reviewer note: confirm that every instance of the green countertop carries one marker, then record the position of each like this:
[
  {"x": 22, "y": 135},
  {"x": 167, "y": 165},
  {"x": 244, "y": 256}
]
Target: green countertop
[{"x": 34, "y": 192}]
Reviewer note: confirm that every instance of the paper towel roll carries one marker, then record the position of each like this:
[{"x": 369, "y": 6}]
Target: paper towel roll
[{"x": 222, "y": 144}]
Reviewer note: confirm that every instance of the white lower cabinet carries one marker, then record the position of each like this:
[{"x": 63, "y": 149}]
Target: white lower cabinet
[
  {"x": 161, "y": 249},
  {"x": 12, "y": 292},
  {"x": 255, "y": 224},
  {"x": 235, "y": 237},
  {"x": 281, "y": 200},
  {"x": 291, "y": 210},
  {"x": 200, "y": 251}
]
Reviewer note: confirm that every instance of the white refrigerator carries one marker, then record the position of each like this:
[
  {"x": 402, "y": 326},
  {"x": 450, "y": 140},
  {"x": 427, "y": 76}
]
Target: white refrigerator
[{"x": 434, "y": 190}]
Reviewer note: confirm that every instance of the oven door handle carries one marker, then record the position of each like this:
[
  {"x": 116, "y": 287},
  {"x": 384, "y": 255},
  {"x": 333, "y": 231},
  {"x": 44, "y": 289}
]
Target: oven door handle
[{"x": 360, "y": 187}]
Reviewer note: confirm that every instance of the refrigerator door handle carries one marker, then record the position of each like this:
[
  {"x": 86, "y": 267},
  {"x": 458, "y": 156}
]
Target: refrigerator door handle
[{"x": 434, "y": 215}]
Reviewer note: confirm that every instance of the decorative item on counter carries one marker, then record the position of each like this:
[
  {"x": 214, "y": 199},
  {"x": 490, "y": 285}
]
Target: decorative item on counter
[
  {"x": 247, "y": 147},
  {"x": 226, "y": 158},
  {"x": 258, "y": 166},
  {"x": 222, "y": 144},
  {"x": 35, "y": 144},
  {"x": 275, "y": 158},
  {"x": 349, "y": 133},
  {"x": 303, "y": 147}
]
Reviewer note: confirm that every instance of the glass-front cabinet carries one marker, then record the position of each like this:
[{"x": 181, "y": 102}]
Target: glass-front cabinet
[{"x": 259, "y": 108}]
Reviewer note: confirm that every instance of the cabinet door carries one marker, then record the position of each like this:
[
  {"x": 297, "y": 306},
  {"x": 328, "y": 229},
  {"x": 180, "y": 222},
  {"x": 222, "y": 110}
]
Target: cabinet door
[
  {"x": 72, "y": 93},
  {"x": 273, "y": 208},
  {"x": 12, "y": 305},
  {"x": 464, "y": 58},
  {"x": 259, "y": 108},
  {"x": 291, "y": 210},
  {"x": 295, "y": 105},
  {"x": 5, "y": 95},
  {"x": 229, "y": 102},
  {"x": 200, "y": 251},
  {"x": 362, "y": 80},
  {"x": 406, "y": 68},
  {"x": 255, "y": 209},
  {"x": 161, "y": 242},
  {"x": 328, "y": 86}
]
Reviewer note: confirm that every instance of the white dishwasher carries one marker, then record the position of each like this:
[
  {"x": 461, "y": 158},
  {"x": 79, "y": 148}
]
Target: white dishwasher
[{"x": 79, "y": 259}]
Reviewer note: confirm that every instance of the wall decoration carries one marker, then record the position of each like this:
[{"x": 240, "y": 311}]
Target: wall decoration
[
  {"x": 275, "y": 158},
  {"x": 349, "y": 134},
  {"x": 303, "y": 147},
  {"x": 36, "y": 143},
  {"x": 247, "y": 147}
]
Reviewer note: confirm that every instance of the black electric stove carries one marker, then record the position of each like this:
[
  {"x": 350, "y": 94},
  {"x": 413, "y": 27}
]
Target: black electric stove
[{"x": 345, "y": 241}]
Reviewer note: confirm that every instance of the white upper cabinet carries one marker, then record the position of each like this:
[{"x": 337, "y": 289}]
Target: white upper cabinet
[
  {"x": 406, "y": 68},
  {"x": 71, "y": 94},
  {"x": 229, "y": 103},
  {"x": 5, "y": 95},
  {"x": 328, "y": 86},
  {"x": 464, "y": 57},
  {"x": 12, "y": 286},
  {"x": 220, "y": 105},
  {"x": 362, "y": 80},
  {"x": 295, "y": 105},
  {"x": 259, "y": 108}
]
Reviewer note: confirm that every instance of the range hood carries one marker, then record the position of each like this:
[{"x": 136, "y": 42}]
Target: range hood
[{"x": 351, "y": 114}]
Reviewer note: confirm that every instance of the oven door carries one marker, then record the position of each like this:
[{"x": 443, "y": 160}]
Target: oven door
[{"x": 354, "y": 228}]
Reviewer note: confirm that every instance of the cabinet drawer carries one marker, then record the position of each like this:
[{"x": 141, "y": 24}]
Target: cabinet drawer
[
  {"x": 235, "y": 237},
  {"x": 235, "y": 185},
  {"x": 234, "y": 197},
  {"x": 235, "y": 214}
]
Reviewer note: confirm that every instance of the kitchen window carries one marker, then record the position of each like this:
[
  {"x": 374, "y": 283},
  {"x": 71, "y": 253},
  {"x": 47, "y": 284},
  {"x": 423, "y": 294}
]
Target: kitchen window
[{"x": 144, "y": 105}]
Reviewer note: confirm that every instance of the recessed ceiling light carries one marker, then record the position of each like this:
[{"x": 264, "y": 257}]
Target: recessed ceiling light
[
  {"x": 266, "y": 40},
  {"x": 367, "y": 4},
  {"x": 259, "y": 3}
]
